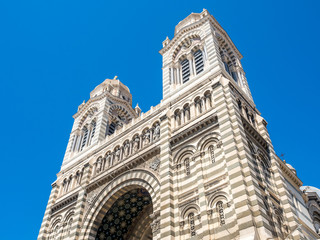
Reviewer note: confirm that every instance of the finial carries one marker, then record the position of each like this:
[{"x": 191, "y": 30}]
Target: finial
[{"x": 115, "y": 77}]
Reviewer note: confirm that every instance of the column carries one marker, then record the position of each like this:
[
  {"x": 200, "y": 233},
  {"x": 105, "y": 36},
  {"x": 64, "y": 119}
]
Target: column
[
  {"x": 89, "y": 135},
  {"x": 192, "y": 110},
  {"x": 182, "y": 117},
  {"x": 190, "y": 58},
  {"x": 151, "y": 135},
  {"x": 203, "y": 100},
  {"x": 80, "y": 204},
  {"x": 167, "y": 207},
  {"x": 45, "y": 227},
  {"x": 172, "y": 75},
  {"x": 74, "y": 139},
  {"x": 141, "y": 140}
]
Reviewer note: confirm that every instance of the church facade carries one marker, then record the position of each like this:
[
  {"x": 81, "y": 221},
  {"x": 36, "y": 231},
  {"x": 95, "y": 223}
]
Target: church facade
[{"x": 199, "y": 165}]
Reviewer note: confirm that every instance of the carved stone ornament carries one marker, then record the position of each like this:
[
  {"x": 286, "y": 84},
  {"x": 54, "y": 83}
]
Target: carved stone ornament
[
  {"x": 209, "y": 212},
  {"x": 136, "y": 144},
  {"x": 155, "y": 164},
  {"x": 91, "y": 199},
  {"x": 181, "y": 223},
  {"x": 156, "y": 134},
  {"x": 155, "y": 226},
  {"x": 219, "y": 144}
]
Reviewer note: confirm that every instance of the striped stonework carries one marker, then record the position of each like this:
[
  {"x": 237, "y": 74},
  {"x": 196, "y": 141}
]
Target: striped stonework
[{"x": 203, "y": 156}]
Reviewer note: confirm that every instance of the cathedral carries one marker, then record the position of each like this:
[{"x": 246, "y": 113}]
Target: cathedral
[{"x": 199, "y": 165}]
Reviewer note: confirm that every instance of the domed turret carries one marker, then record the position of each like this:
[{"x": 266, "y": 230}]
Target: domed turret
[{"x": 115, "y": 87}]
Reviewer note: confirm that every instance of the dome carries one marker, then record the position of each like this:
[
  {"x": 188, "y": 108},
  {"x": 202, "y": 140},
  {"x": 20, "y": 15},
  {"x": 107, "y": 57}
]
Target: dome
[
  {"x": 291, "y": 168},
  {"x": 310, "y": 189},
  {"x": 115, "y": 87}
]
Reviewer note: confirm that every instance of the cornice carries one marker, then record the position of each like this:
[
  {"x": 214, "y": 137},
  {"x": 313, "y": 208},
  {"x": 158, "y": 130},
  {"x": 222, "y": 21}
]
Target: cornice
[
  {"x": 290, "y": 175},
  {"x": 192, "y": 26},
  {"x": 181, "y": 32},
  {"x": 99, "y": 97},
  {"x": 196, "y": 128},
  {"x": 64, "y": 203},
  {"x": 254, "y": 134},
  {"x": 96, "y": 150}
]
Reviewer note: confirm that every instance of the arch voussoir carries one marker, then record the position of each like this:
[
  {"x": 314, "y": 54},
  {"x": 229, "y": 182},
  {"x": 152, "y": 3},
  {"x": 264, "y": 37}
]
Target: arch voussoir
[{"x": 112, "y": 191}]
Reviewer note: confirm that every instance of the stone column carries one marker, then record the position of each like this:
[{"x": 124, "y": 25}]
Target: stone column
[
  {"x": 203, "y": 101},
  {"x": 78, "y": 143},
  {"x": 44, "y": 230},
  {"x": 81, "y": 201},
  {"x": 167, "y": 196},
  {"x": 74, "y": 139},
  {"x": 192, "y": 110},
  {"x": 191, "y": 69},
  {"x": 182, "y": 117},
  {"x": 89, "y": 135},
  {"x": 151, "y": 135},
  {"x": 141, "y": 140}
]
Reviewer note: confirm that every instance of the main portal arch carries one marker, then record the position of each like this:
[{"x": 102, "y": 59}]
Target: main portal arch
[
  {"x": 123, "y": 208},
  {"x": 125, "y": 217}
]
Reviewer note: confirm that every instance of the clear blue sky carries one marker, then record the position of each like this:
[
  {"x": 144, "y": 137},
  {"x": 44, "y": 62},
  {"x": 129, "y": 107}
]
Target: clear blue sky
[{"x": 53, "y": 53}]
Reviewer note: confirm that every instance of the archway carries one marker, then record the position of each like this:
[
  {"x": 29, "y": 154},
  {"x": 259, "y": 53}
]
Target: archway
[
  {"x": 128, "y": 217},
  {"x": 114, "y": 190}
]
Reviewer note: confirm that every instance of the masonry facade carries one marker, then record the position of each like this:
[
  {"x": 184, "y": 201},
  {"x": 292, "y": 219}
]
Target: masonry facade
[{"x": 199, "y": 165}]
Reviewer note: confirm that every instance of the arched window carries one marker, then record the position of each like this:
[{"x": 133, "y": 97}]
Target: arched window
[
  {"x": 208, "y": 100},
  {"x": 266, "y": 172},
  {"x": 198, "y": 61},
  {"x": 211, "y": 154},
  {"x": 65, "y": 185},
  {"x": 178, "y": 117},
  {"x": 186, "y": 110},
  {"x": 220, "y": 211},
  {"x": 253, "y": 120},
  {"x": 69, "y": 227},
  {"x": 239, "y": 105},
  {"x": 185, "y": 70},
  {"x": 234, "y": 76},
  {"x": 112, "y": 128},
  {"x": 192, "y": 224},
  {"x": 84, "y": 139},
  {"x": 78, "y": 177},
  {"x": 226, "y": 66},
  {"x": 187, "y": 165},
  {"x": 198, "y": 105},
  {"x": 56, "y": 232},
  {"x": 93, "y": 129}
]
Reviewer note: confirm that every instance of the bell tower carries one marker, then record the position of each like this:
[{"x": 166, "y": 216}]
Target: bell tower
[
  {"x": 200, "y": 46},
  {"x": 108, "y": 109},
  {"x": 199, "y": 165}
]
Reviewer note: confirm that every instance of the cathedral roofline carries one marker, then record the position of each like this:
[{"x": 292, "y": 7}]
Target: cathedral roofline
[
  {"x": 291, "y": 175},
  {"x": 194, "y": 20}
]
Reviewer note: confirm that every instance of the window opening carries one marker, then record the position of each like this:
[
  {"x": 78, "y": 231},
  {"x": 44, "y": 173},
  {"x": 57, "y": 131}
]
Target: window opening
[
  {"x": 198, "y": 60},
  {"x": 185, "y": 70}
]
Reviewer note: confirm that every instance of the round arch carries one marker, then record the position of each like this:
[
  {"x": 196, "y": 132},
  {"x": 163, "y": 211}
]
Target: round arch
[{"x": 128, "y": 181}]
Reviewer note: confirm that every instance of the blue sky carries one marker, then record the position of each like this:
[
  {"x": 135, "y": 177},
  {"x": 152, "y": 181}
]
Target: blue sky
[{"x": 53, "y": 53}]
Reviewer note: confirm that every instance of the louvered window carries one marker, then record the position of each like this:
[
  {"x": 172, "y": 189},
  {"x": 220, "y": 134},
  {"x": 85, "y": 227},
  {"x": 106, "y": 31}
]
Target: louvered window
[
  {"x": 93, "y": 129},
  {"x": 84, "y": 140},
  {"x": 187, "y": 164},
  {"x": 192, "y": 225},
  {"x": 234, "y": 76},
  {"x": 185, "y": 70},
  {"x": 221, "y": 213},
  {"x": 198, "y": 60},
  {"x": 112, "y": 128},
  {"x": 227, "y": 67}
]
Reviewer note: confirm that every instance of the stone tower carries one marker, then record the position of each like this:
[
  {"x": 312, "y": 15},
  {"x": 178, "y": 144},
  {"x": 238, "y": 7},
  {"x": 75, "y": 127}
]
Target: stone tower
[{"x": 200, "y": 165}]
